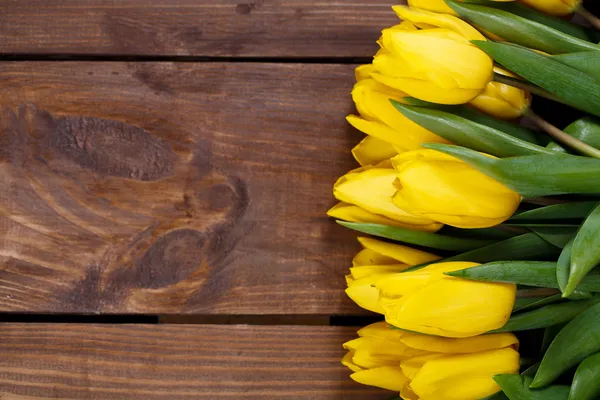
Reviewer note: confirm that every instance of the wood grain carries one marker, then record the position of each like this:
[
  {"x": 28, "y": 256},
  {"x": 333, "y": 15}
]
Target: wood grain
[
  {"x": 176, "y": 362},
  {"x": 234, "y": 28},
  {"x": 169, "y": 188}
]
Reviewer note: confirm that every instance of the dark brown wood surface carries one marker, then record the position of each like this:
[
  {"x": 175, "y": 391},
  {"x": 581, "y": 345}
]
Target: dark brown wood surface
[
  {"x": 173, "y": 362},
  {"x": 249, "y": 28},
  {"x": 169, "y": 188}
]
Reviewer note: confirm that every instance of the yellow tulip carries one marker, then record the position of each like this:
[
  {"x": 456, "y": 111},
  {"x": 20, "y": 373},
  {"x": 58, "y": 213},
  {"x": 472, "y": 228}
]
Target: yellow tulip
[
  {"x": 430, "y": 302},
  {"x": 437, "y": 65},
  {"x": 429, "y": 367},
  {"x": 554, "y": 7},
  {"x": 427, "y": 20},
  {"x": 376, "y": 261},
  {"x": 371, "y": 188},
  {"x": 380, "y": 119},
  {"x": 439, "y": 6},
  {"x": 502, "y": 101},
  {"x": 372, "y": 151},
  {"x": 352, "y": 213},
  {"x": 442, "y": 188}
]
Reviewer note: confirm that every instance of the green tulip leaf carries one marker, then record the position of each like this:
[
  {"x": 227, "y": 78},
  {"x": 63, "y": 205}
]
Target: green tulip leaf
[
  {"x": 587, "y": 61},
  {"x": 530, "y": 273},
  {"x": 497, "y": 396},
  {"x": 533, "y": 176},
  {"x": 559, "y": 236},
  {"x": 519, "y": 30},
  {"x": 498, "y": 232},
  {"x": 425, "y": 239},
  {"x": 574, "y": 343},
  {"x": 533, "y": 303},
  {"x": 563, "y": 270},
  {"x": 549, "y": 335},
  {"x": 546, "y": 316},
  {"x": 586, "y": 383},
  {"x": 586, "y": 129},
  {"x": 574, "y": 210},
  {"x": 572, "y": 86},
  {"x": 516, "y": 387},
  {"x": 470, "y": 113},
  {"x": 529, "y": 13},
  {"x": 584, "y": 254},
  {"x": 465, "y": 132}
]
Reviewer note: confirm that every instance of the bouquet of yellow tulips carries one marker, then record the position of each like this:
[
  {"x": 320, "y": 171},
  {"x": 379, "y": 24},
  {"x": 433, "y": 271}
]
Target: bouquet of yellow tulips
[{"x": 483, "y": 217}]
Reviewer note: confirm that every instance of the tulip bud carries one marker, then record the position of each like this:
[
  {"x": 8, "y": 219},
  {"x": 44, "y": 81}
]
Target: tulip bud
[
  {"x": 380, "y": 119},
  {"x": 430, "y": 367},
  {"x": 439, "y": 6},
  {"x": 554, "y": 7},
  {"x": 372, "y": 151},
  {"x": 436, "y": 65},
  {"x": 444, "y": 189},
  {"x": 501, "y": 100},
  {"x": 428, "y": 301},
  {"x": 372, "y": 189}
]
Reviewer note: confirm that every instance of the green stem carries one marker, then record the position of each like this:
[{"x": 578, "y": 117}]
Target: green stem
[
  {"x": 591, "y": 18},
  {"x": 518, "y": 83},
  {"x": 562, "y": 137}
]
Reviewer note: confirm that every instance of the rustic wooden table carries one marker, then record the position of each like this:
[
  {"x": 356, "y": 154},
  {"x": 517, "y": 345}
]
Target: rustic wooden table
[{"x": 174, "y": 159}]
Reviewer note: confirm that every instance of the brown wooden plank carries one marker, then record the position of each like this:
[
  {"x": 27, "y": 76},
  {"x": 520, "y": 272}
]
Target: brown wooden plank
[
  {"x": 254, "y": 28},
  {"x": 176, "y": 362},
  {"x": 173, "y": 187}
]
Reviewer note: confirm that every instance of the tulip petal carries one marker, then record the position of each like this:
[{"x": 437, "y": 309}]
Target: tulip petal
[
  {"x": 438, "y": 6},
  {"x": 418, "y": 16},
  {"x": 438, "y": 378},
  {"x": 364, "y": 293},
  {"x": 372, "y": 190},
  {"x": 401, "y": 253},
  {"x": 462, "y": 345},
  {"x": 363, "y": 71},
  {"x": 370, "y": 257},
  {"x": 452, "y": 307},
  {"x": 412, "y": 366},
  {"x": 366, "y": 270},
  {"x": 381, "y": 330},
  {"x": 371, "y": 151},
  {"x": 388, "y": 377},
  {"x": 373, "y": 353},
  {"x": 383, "y": 132},
  {"x": 347, "y": 362}
]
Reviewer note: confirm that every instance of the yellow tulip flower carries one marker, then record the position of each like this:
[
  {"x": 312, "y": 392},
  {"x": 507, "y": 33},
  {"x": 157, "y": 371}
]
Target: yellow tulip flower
[
  {"x": 428, "y": 301},
  {"x": 502, "y": 101},
  {"x": 554, "y": 7},
  {"x": 437, "y": 65},
  {"x": 371, "y": 189},
  {"x": 442, "y": 188},
  {"x": 372, "y": 151},
  {"x": 378, "y": 260},
  {"x": 429, "y": 367},
  {"x": 427, "y": 20},
  {"x": 380, "y": 119},
  {"x": 352, "y": 213},
  {"x": 439, "y": 6}
]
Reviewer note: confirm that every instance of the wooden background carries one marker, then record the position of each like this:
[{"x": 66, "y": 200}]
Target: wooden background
[{"x": 175, "y": 158}]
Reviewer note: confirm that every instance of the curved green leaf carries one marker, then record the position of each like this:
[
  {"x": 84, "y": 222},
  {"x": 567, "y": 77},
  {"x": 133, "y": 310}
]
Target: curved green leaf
[
  {"x": 533, "y": 176},
  {"x": 574, "y": 210},
  {"x": 577, "y": 341},
  {"x": 519, "y": 30},
  {"x": 584, "y": 254},
  {"x": 534, "y": 303},
  {"x": 425, "y": 239},
  {"x": 586, "y": 129},
  {"x": 559, "y": 236},
  {"x": 470, "y": 134},
  {"x": 516, "y": 387},
  {"x": 563, "y": 269},
  {"x": 586, "y": 383},
  {"x": 470, "y": 113},
  {"x": 587, "y": 61},
  {"x": 574, "y": 87}
]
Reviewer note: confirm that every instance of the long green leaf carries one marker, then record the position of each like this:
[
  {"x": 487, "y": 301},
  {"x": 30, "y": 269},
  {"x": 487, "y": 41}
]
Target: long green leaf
[
  {"x": 550, "y": 315},
  {"x": 534, "y": 303},
  {"x": 586, "y": 129},
  {"x": 529, "y": 13},
  {"x": 424, "y": 239},
  {"x": 586, "y": 383},
  {"x": 519, "y": 30},
  {"x": 534, "y": 176},
  {"x": 470, "y": 113},
  {"x": 563, "y": 270},
  {"x": 516, "y": 387},
  {"x": 584, "y": 254},
  {"x": 577, "y": 341},
  {"x": 559, "y": 236},
  {"x": 569, "y": 84},
  {"x": 574, "y": 210},
  {"x": 587, "y": 61},
  {"x": 465, "y": 132},
  {"x": 530, "y": 273}
]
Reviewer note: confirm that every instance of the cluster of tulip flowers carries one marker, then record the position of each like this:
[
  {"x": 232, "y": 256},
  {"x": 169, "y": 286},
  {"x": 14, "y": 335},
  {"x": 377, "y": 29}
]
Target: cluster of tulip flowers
[{"x": 483, "y": 218}]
